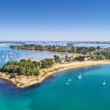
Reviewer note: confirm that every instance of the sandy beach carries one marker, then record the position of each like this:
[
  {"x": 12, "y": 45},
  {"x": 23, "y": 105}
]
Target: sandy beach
[{"x": 27, "y": 81}]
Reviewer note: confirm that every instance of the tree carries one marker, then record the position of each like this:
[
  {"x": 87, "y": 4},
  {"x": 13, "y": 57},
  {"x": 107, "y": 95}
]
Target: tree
[
  {"x": 66, "y": 58},
  {"x": 79, "y": 58},
  {"x": 46, "y": 63},
  {"x": 57, "y": 58}
]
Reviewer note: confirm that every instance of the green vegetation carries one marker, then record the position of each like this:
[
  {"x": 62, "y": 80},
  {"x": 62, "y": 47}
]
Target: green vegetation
[
  {"x": 25, "y": 67},
  {"x": 57, "y": 59},
  {"x": 79, "y": 58},
  {"x": 90, "y": 53},
  {"x": 28, "y": 67},
  {"x": 70, "y": 49},
  {"x": 100, "y": 55},
  {"x": 46, "y": 63}
]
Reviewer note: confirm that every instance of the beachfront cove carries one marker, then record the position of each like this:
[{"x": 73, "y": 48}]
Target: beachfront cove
[{"x": 63, "y": 91}]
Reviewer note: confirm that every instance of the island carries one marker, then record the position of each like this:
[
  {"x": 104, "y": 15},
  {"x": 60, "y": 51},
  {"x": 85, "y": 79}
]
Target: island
[{"x": 26, "y": 73}]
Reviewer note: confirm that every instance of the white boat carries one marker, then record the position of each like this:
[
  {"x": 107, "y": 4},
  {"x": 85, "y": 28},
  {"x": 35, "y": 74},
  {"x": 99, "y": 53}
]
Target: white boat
[
  {"x": 104, "y": 83},
  {"x": 59, "y": 76},
  {"x": 11, "y": 53},
  {"x": 11, "y": 56},
  {"x": 79, "y": 77},
  {"x": 6, "y": 60},
  {"x": 67, "y": 84},
  {"x": 14, "y": 56},
  {"x": 3, "y": 56},
  {"x": 69, "y": 80},
  {"x": 13, "y": 59},
  {"x": 7, "y": 56}
]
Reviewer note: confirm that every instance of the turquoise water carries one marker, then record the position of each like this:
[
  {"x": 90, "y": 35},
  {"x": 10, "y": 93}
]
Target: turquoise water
[{"x": 53, "y": 94}]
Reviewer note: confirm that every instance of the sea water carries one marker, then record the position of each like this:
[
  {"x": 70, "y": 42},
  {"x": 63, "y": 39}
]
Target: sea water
[{"x": 87, "y": 93}]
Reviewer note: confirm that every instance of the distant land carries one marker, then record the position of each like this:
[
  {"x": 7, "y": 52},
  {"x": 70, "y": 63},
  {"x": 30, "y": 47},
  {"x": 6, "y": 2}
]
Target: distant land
[{"x": 69, "y": 43}]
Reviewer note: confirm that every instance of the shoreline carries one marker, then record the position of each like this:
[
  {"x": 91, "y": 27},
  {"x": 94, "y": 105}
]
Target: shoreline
[
  {"x": 63, "y": 53},
  {"x": 27, "y": 81}
]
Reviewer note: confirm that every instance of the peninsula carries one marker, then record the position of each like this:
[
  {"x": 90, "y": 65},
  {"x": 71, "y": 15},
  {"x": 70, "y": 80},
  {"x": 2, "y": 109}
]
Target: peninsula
[
  {"x": 26, "y": 73},
  {"x": 24, "y": 81}
]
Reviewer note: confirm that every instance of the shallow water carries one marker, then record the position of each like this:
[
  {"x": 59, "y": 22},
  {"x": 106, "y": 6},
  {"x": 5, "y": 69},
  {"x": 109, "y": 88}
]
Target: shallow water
[
  {"x": 53, "y": 94},
  {"x": 8, "y": 54}
]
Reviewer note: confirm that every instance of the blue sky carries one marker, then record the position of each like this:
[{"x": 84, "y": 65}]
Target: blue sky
[{"x": 55, "y": 20}]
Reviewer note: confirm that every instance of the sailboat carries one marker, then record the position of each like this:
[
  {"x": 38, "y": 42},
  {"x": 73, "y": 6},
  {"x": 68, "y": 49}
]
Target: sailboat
[
  {"x": 104, "y": 83},
  {"x": 3, "y": 56},
  {"x": 67, "y": 83},
  {"x": 6, "y": 60},
  {"x": 59, "y": 76},
  {"x": 69, "y": 80},
  {"x": 11, "y": 53},
  {"x": 79, "y": 77}
]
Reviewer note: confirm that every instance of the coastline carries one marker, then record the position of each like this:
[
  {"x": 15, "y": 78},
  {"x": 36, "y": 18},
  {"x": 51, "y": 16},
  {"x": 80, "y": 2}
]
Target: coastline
[
  {"x": 27, "y": 81},
  {"x": 63, "y": 53}
]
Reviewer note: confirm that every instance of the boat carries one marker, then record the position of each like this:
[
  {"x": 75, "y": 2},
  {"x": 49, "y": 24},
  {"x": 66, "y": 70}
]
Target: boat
[
  {"x": 14, "y": 56},
  {"x": 3, "y": 56},
  {"x": 67, "y": 84},
  {"x": 13, "y": 59},
  {"x": 6, "y": 60},
  {"x": 59, "y": 76},
  {"x": 69, "y": 80},
  {"x": 79, "y": 77},
  {"x": 6, "y": 56},
  {"x": 11, "y": 53},
  {"x": 104, "y": 83}
]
